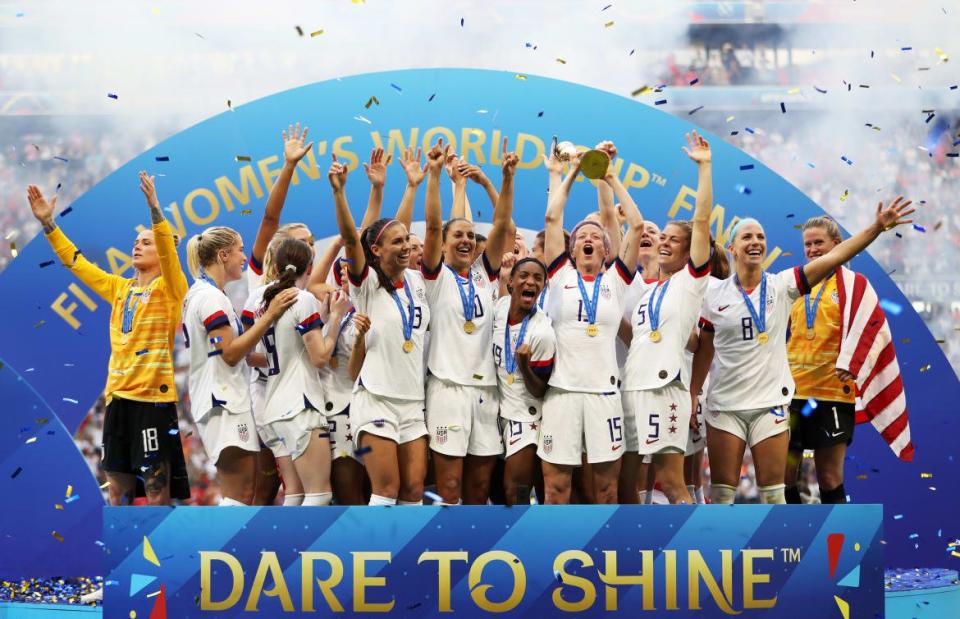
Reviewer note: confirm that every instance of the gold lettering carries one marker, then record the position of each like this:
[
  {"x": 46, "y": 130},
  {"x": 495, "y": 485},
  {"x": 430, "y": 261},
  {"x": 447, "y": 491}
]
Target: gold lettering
[
  {"x": 343, "y": 154},
  {"x": 495, "y": 145},
  {"x": 670, "y": 573},
  {"x": 697, "y": 568},
  {"x": 228, "y": 191},
  {"x": 479, "y": 592},
  {"x": 569, "y": 580},
  {"x": 446, "y": 134},
  {"x": 467, "y": 145},
  {"x": 771, "y": 257},
  {"x": 721, "y": 234},
  {"x": 67, "y": 312},
  {"x": 236, "y": 573},
  {"x": 444, "y": 560},
  {"x": 269, "y": 175},
  {"x": 309, "y": 163},
  {"x": 750, "y": 579},
  {"x": 537, "y": 160},
  {"x": 210, "y": 197},
  {"x": 119, "y": 261},
  {"x": 326, "y": 586},
  {"x": 269, "y": 563},
  {"x": 630, "y": 181},
  {"x": 610, "y": 577},
  {"x": 361, "y": 581},
  {"x": 395, "y": 140}
]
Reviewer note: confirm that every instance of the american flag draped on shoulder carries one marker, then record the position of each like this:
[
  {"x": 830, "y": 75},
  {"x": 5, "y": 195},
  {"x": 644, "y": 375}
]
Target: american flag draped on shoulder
[{"x": 866, "y": 351}]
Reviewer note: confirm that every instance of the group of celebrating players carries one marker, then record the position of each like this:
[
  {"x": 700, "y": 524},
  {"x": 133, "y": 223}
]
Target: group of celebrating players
[{"x": 582, "y": 369}]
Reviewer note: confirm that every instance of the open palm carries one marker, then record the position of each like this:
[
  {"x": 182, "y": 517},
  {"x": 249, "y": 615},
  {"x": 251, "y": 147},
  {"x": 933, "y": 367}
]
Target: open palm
[{"x": 293, "y": 146}]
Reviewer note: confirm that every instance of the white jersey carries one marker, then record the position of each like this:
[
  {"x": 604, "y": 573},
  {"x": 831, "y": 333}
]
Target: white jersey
[
  {"x": 584, "y": 363},
  {"x": 516, "y": 402},
  {"x": 212, "y": 381},
  {"x": 254, "y": 274},
  {"x": 654, "y": 364},
  {"x": 293, "y": 383},
  {"x": 455, "y": 355},
  {"x": 337, "y": 384},
  {"x": 746, "y": 375},
  {"x": 251, "y": 311},
  {"x": 634, "y": 292},
  {"x": 387, "y": 370}
]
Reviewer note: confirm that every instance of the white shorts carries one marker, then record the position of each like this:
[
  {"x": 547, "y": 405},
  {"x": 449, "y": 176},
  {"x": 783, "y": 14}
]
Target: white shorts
[
  {"x": 221, "y": 428},
  {"x": 518, "y": 434},
  {"x": 575, "y": 422},
  {"x": 400, "y": 421},
  {"x": 462, "y": 419},
  {"x": 697, "y": 439},
  {"x": 662, "y": 416},
  {"x": 291, "y": 435},
  {"x": 752, "y": 426},
  {"x": 341, "y": 438},
  {"x": 631, "y": 440}
]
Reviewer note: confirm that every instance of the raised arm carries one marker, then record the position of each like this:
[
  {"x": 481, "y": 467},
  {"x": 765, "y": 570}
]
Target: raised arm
[
  {"x": 475, "y": 173},
  {"x": 554, "y": 167},
  {"x": 608, "y": 212},
  {"x": 318, "y": 277},
  {"x": 503, "y": 213},
  {"x": 699, "y": 152},
  {"x": 170, "y": 269},
  {"x": 103, "y": 283},
  {"x": 433, "y": 243},
  {"x": 414, "y": 172},
  {"x": 321, "y": 345},
  {"x": 630, "y": 247},
  {"x": 553, "y": 245},
  {"x": 377, "y": 173},
  {"x": 236, "y": 347},
  {"x": 359, "y": 353},
  {"x": 887, "y": 219},
  {"x": 460, "y": 208},
  {"x": 337, "y": 175},
  {"x": 293, "y": 151}
]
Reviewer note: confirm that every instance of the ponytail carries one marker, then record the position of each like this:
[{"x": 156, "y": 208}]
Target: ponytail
[
  {"x": 292, "y": 260},
  {"x": 203, "y": 249},
  {"x": 719, "y": 264}
]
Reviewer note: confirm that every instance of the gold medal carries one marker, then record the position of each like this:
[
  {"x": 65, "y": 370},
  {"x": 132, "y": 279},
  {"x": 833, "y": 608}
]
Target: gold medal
[
  {"x": 510, "y": 379},
  {"x": 408, "y": 346},
  {"x": 593, "y": 330},
  {"x": 762, "y": 338},
  {"x": 654, "y": 336},
  {"x": 469, "y": 327},
  {"x": 811, "y": 335},
  {"x": 334, "y": 362}
]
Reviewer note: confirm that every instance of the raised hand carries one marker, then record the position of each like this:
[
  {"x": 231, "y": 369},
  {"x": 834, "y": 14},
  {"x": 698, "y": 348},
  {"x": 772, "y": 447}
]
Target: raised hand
[
  {"x": 339, "y": 303},
  {"x": 42, "y": 209},
  {"x": 280, "y": 303},
  {"x": 410, "y": 162},
  {"x": 608, "y": 147},
  {"x": 377, "y": 168},
  {"x": 523, "y": 354},
  {"x": 698, "y": 149},
  {"x": 437, "y": 156},
  {"x": 507, "y": 261},
  {"x": 362, "y": 323},
  {"x": 893, "y": 216},
  {"x": 337, "y": 175},
  {"x": 553, "y": 163},
  {"x": 149, "y": 189},
  {"x": 293, "y": 147},
  {"x": 454, "y": 166},
  {"x": 510, "y": 160}
]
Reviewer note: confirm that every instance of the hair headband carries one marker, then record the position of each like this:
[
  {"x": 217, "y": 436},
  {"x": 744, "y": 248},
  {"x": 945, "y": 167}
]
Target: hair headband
[
  {"x": 736, "y": 227},
  {"x": 385, "y": 226}
]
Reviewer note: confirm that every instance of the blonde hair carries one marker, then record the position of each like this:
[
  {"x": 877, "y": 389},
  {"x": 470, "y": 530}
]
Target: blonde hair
[
  {"x": 203, "y": 249},
  {"x": 288, "y": 228},
  {"x": 269, "y": 257},
  {"x": 828, "y": 224}
]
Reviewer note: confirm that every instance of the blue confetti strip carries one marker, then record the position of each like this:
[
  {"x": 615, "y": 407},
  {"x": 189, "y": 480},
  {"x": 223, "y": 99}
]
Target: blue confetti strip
[
  {"x": 173, "y": 431},
  {"x": 395, "y": 87},
  {"x": 694, "y": 81},
  {"x": 820, "y": 90},
  {"x": 891, "y": 307},
  {"x": 734, "y": 132},
  {"x": 954, "y": 87},
  {"x": 162, "y": 158},
  {"x": 929, "y": 118},
  {"x": 919, "y": 228},
  {"x": 214, "y": 353},
  {"x": 747, "y": 166},
  {"x": 44, "y": 265},
  {"x": 743, "y": 189},
  {"x": 17, "y": 472},
  {"x": 660, "y": 102},
  {"x": 72, "y": 498},
  {"x": 748, "y": 130},
  {"x": 362, "y": 451},
  {"x": 905, "y": 49},
  {"x": 848, "y": 161},
  {"x": 433, "y": 496},
  {"x": 809, "y": 407},
  {"x": 898, "y": 517},
  {"x": 143, "y": 352},
  {"x": 811, "y": 165},
  {"x": 112, "y": 96},
  {"x": 63, "y": 159},
  {"x": 783, "y": 107},
  {"x": 694, "y": 110},
  {"x": 605, "y": 8},
  {"x": 461, "y": 22},
  {"x": 540, "y": 115},
  {"x": 66, "y": 211},
  {"x": 431, "y": 97}
]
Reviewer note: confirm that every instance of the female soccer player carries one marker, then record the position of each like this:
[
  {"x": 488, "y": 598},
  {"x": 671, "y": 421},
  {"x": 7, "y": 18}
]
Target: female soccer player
[
  {"x": 582, "y": 408},
  {"x": 387, "y": 405},
  {"x": 140, "y": 392},
  {"x": 523, "y": 347},
  {"x": 744, "y": 332},
  {"x": 656, "y": 375},
  {"x": 217, "y": 342},
  {"x": 812, "y": 351},
  {"x": 296, "y": 346},
  {"x": 462, "y": 397}
]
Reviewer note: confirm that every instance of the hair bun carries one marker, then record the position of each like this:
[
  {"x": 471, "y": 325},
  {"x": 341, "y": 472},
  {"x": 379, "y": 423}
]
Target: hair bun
[{"x": 290, "y": 267}]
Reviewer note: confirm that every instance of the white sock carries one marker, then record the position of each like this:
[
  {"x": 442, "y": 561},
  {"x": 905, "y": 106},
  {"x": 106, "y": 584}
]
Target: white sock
[
  {"x": 292, "y": 500},
  {"x": 699, "y": 496},
  {"x": 420, "y": 502},
  {"x": 721, "y": 494},
  {"x": 376, "y": 499},
  {"x": 642, "y": 497},
  {"x": 692, "y": 491},
  {"x": 773, "y": 495},
  {"x": 228, "y": 502},
  {"x": 459, "y": 502},
  {"x": 648, "y": 497},
  {"x": 317, "y": 498}
]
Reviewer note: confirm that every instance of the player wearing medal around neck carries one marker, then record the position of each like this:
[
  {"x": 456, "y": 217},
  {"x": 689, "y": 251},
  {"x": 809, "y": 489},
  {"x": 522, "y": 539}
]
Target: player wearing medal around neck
[
  {"x": 812, "y": 351},
  {"x": 744, "y": 334},
  {"x": 387, "y": 407},
  {"x": 462, "y": 398},
  {"x": 140, "y": 437},
  {"x": 582, "y": 407},
  {"x": 217, "y": 343},
  {"x": 524, "y": 346},
  {"x": 296, "y": 346},
  {"x": 656, "y": 392}
]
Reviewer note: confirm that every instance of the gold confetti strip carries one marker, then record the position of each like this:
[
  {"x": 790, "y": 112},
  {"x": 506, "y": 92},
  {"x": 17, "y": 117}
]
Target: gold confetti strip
[
  {"x": 246, "y": 211},
  {"x": 57, "y": 536},
  {"x": 846, "y": 194},
  {"x": 639, "y": 92},
  {"x": 787, "y": 254},
  {"x": 941, "y": 341},
  {"x": 925, "y": 369},
  {"x": 608, "y": 24},
  {"x": 793, "y": 91},
  {"x": 10, "y": 235},
  {"x": 861, "y": 477},
  {"x": 942, "y": 54},
  {"x": 243, "y": 158},
  {"x": 521, "y": 77},
  {"x": 729, "y": 118},
  {"x": 561, "y": 61},
  {"x": 13, "y": 250},
  {"x": 905, "y": 340},
  {"x": 39, "y": 324},
  {"x": 316, "y": 33},
  {"x": 58, "y": 506},
  {"x": 926, "y": 475},
  {"x": 896, "y": 77},
  {"x": 371, "y": 101},
  {"x": 32, "y": 439},
  {"x": 69, "y": 490}
]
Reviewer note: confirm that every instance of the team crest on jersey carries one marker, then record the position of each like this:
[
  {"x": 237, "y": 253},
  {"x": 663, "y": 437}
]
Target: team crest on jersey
[
  {"x": 478, "y": 279},
  {"x": 441, "y": 435},
  {"x": 835, "y": 297},
  {"x": 243, "y": 432},
  {"x": 547, "y": 443},
  {"x": 605, "y": 292}
]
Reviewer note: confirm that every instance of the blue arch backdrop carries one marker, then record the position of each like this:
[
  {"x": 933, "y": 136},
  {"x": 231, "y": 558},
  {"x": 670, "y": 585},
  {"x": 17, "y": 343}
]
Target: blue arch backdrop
[{"x": 54, "y": 339}]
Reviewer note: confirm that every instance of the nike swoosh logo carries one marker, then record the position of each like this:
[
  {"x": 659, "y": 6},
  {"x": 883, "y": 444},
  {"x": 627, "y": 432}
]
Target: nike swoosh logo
[
  {"x": 514, "y": 440},
  {"x": 649, "y": 442},
  {"x": 835, "y": 434},
  {"x": 779, "y": 421},
  {"x": 722, "y": 307},
  {"x": 616, "y": 447}
]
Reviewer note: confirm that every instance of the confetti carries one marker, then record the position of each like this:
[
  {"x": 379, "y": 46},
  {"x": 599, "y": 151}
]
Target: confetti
[
  {"x": 143, "y": 352},
  {"x": 793, "y": 91},
  {"x": 925, "y": 369},
  {"x": 57, "y": 536},
  {"x": 72, "y": 499},
  {"x": 926, "y": 475},
  {"x": 230, "y": 105},
  {"x": 561, "y": 61},
  {"x": 520, "y": 77},
  {"x": 104, "y": 485},
  {"x": 608, "y": 24},
  {"x": 539, "y": 114},
  {"x": 246, "y": 211},
  {"x": 431, "y": 97},
  {"x": 63, "y": 159},
  {"x": 891, "y": 307},
  {"x": 371, "y": 101},
  {"x": 810, "y": 165},
  {"x": 694, "y": 110},
  {"x": 898, "y": 517},
  {"x": 69, "y": 491},
  {"x": 433, "y": 496},
  {"x": 162, "y": 158},
  {"x": 748, "y": 166},
  {"x": 110, "y": 95},
  {"x": 363, "y": 119},
  {"x": 395, "y": 87},
  {"x": 743, "y": 189},
  {"x": 809, "y": 407},
  {"x": 71, "y": 400},
  {"x": 919, "y": 228},
  {"x": 896, "y": 78},
  {"x": 905, "y": 49},
  {"x": 844, "y": 158},
  {"x": 695, "y": 81},
  {"x": 639, "y": 92},
  {"x": 316, "y": 33},
  {"x": 929, "y": 118},
  {"x": 846, "y": 194},
  {"x": 243, "y": 158},
  {"x": 820, "y": 90},
  {"x": 31, "y": 440},
  {"x": 299, "y": 30},
  {"x": 362, "y": 451},
  {"x": 44, "y": 265},
  {"x": 200, "y": 35},
  {"x": 16, "y": 472},
  {"x": 461, "y": 22},
  {"x": 783, "y": 108},
  {"x": 605, "y": 8},
  {"x": 660, "y": 102},
  {"x": 748, "y": 130},
  {"x": 173, "y": 431}
]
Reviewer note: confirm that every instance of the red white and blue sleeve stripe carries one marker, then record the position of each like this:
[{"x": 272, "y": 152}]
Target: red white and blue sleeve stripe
[
  {"x": 625, "y": 273},
  {"x": 431, "y": 273},
  {"x": 542, "y": 368},
  {"x": 699, "y": 271},
  {"x": 255, "y": 265},
  {"x": 215, "y": 320},
  {"x": 802, "y": 284},
  {"x": 309, "y": 323},
  {"x": 356, "y": 281},
  {"x": 247, "y": 318},
  {"x": 706, "y": 325},
  {"x": 557, "y": 264},
  {"x": 491, "y": 272}
]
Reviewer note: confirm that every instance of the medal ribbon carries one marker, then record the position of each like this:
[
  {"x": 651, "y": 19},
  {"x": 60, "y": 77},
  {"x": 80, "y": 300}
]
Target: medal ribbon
[
  {"x": 811, "y": 310},
  {"x": 509, "y": 359},
  {"x": 590, "y": 305},
  {"x": 405, "y": 317},
  {"x": 655, "y": 303},
  {"x": 761, "y": 319},
  {"x": 466, "y": 298}
]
